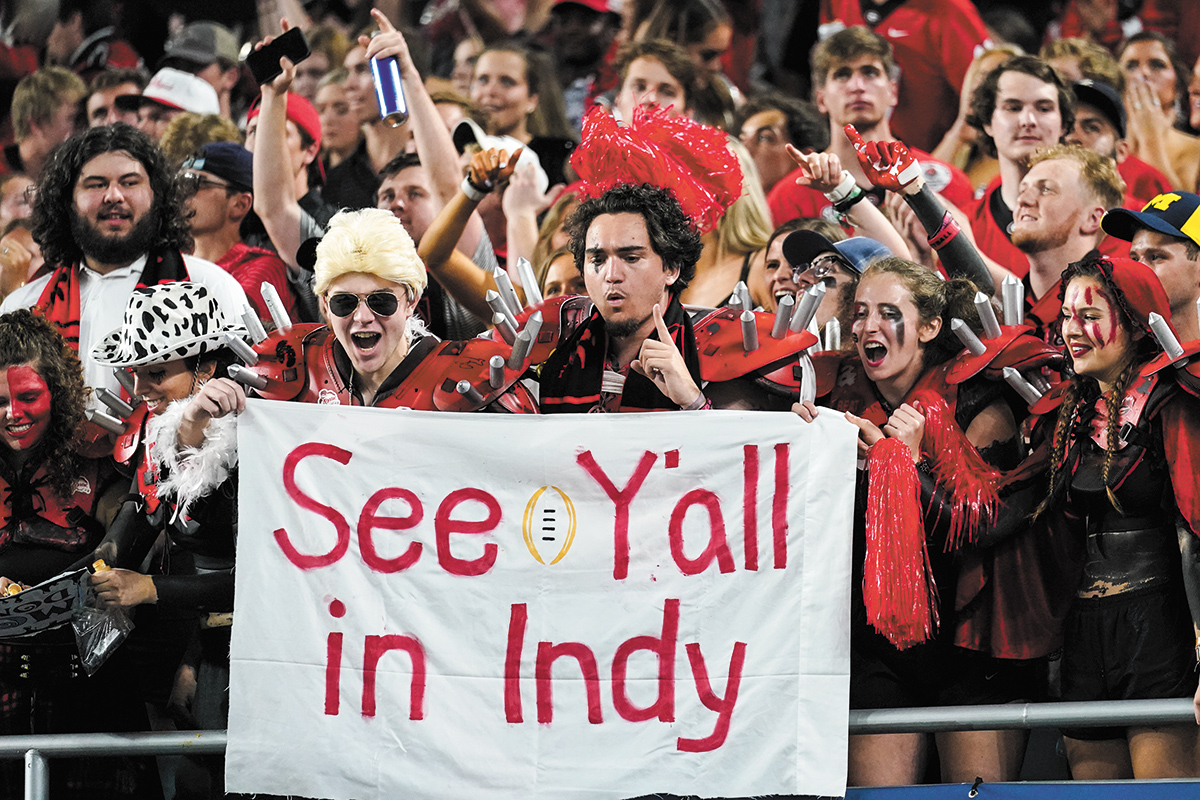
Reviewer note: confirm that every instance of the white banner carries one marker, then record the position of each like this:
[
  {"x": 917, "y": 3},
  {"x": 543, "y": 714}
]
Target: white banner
[{"x": 585, "y": 606}]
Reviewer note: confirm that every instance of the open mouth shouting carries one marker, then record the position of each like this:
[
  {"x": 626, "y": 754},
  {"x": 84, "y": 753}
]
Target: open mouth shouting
[
  {"x": 365, "y": 341},
  {"x": 874, "y": 353}
]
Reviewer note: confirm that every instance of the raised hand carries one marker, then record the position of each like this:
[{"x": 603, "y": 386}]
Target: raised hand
[
  {"x": 216, "y": 398},
  {"x": 389, "y": 42},
  {"x": 661, "y": 362},
  {"x": 489, "y": 168},
  {"x": 822, "y": 171},
  {"x": 886, "y": 164}
]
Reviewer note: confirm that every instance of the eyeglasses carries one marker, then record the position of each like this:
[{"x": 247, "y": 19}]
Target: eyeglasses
[
  {"x": 821, "y": 267},
  {"x": 194, "y": 182},
  {"x": 381, "y": 303}
]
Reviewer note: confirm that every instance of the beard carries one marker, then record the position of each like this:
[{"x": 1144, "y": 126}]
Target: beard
[
  {"x": 1038, "y": 241},
  {"x": 623, "y": 329},
  {"x": 115, "y": 249}
]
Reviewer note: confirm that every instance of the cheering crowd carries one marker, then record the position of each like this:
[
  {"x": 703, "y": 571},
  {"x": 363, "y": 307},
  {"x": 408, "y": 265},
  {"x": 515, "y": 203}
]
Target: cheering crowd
[{"x": 976, "y": 239}]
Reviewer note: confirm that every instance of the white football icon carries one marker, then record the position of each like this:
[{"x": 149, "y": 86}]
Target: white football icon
[{"x": 549, "y": 524}]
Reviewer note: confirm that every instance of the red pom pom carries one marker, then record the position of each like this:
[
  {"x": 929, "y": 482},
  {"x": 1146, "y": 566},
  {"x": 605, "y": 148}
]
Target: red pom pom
[
  {"x": 969, "y": 480},
  {"x": 898, "y": 588},
  {"x": 692, "y": 160}
]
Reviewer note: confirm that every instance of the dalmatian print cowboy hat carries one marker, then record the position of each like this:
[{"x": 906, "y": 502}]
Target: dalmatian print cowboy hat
[{"x": 164, "y": 323}]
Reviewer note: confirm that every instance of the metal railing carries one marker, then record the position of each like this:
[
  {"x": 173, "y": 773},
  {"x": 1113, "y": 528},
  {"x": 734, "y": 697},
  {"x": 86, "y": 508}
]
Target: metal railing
[{"x": 36, "y": 750}]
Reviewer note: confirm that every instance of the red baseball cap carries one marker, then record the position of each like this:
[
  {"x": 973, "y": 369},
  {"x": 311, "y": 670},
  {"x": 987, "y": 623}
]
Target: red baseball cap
[
  {"x": 304, "y": 116},
  {"x": 299, "y": 111}
]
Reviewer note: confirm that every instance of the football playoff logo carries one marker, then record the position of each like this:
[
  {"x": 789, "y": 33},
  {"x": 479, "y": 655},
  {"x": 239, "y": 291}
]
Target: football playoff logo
[{"x": 549, "y": 524}]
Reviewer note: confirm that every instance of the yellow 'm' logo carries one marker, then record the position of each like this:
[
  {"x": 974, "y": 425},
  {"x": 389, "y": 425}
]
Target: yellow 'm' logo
[
  {"x": 549, "y": 522},
  {"x": 1163, "y": 201}
]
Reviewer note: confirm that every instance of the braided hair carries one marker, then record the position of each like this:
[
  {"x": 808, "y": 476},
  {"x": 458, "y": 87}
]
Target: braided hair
[{"x": 1076, "y": 411}]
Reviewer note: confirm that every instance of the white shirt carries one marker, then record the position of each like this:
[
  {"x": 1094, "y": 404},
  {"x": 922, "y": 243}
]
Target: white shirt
[{"x": 102, "y": 302}]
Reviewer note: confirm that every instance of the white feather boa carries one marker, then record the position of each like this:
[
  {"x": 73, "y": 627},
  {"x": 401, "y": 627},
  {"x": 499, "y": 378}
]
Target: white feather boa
[{"x": 192, "y": 473}]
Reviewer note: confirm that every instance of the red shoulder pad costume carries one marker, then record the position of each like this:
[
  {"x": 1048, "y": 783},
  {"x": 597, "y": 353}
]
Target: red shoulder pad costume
[
  {"x": 300, "y": 365},
  {"x": 723, "y": 355},
  {"x": 1015, "y": 347},
  {"x": 560, "y": 316}
]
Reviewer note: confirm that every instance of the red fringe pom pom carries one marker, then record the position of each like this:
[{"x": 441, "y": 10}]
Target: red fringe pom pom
[
  {"x": 961, "y": 471},
  {"x": 898, "y": 588}
]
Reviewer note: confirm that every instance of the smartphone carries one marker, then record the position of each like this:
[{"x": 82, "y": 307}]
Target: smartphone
[{"x": 264, "y": 62}]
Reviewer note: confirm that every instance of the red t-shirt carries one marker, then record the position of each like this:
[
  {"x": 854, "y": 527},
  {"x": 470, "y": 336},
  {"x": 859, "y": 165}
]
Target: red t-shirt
[
  {"x": 990, "y": 238},
  {"x": 935, "y": 41},
  {"x": 1143, "y": 182},
  {"x": 251, "y": 266},
  {"x": 790, "y": 200}
]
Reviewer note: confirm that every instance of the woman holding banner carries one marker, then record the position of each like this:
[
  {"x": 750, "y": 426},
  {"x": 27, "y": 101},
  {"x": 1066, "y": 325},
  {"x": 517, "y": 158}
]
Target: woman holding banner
[
  {"x": 920, "y": 434},
  {"x": 1122, "y": 475},
  {"x": 54, "y": 500}
]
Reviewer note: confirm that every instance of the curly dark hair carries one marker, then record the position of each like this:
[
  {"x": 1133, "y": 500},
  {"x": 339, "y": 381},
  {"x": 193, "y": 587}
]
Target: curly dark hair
[
  {"x": 983, "y": 100},
  {"x": 673, "y": 235},
  {"x": 29, "y": 339},
  {"x": 54, "y": 203}
]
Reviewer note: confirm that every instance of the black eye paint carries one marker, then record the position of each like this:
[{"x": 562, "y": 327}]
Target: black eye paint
[{"x": 898, "y": 329}]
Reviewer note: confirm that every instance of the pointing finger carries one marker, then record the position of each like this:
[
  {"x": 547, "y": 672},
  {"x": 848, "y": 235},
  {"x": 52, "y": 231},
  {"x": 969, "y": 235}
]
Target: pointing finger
[
  {"x": 385, "y": 24},
  {"x": 854, "y": 137},
  {"x": 664, "y": 335}
]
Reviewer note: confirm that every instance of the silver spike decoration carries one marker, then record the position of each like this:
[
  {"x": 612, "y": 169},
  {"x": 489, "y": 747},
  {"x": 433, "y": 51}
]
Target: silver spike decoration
[
  {"x": 967, "y": 337},
  {"x": 516, "y": 359},
  {"x": 734, "y": 303},
  {"x": 833, "y": 334},
  {"x": 240, "y": 348},
  {"x": 247, "y": 377},
  {"x": 1012, "y": 293},
  {"x": 496, "y": 371},
  {"x": 743, "y": 291},
  {"x": 109, "y": 423},
  {"x": 1014, "y": 379},
  {"x": 529, "y": 281},
  {"x": 114, "y": 403},
  {"x": 987, "y": 315},
  {"x": 501, "y": 323},
  {"x": 468, "y": 391},
  {"x": 806, "y": 309},
  {"x": 1165, "y": 336},
  {"x": 507, "y": 290},
  {"x": 534, "y": 326},
  {"x": 497, "y": 303},
  {"x": 279, "y": 314},
  {"x": 749, "y": 332},
  {"x": 125, "y": 379},
  {"x": 253, "y": 325},
  {"x": 783, "y": 317}
]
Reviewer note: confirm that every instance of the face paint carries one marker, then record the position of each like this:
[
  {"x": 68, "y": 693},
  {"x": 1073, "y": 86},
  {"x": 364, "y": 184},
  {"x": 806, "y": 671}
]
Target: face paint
[
  {"x": 24, "y": 407},
  {"x": 1096, "y": 341}
]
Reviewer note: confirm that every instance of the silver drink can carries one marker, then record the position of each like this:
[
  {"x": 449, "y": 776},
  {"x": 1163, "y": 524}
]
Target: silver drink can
[{"x": 393, "y": 107}]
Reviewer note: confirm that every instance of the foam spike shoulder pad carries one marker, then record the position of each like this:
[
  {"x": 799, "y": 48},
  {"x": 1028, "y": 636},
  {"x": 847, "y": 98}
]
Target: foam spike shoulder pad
[
  {"x": 1016, "y": 347},
  {"x": 431, "y": 384},
  {"x": 283, "y": 359},
  {"x": 560, "y": 317},
  {"x": 723, "y": 355},
  {"x": 126, "y": 448}
]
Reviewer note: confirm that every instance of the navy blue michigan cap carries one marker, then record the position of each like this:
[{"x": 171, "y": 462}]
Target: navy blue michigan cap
[
  {"x": 1173, "y": 213},
  {"x": 228, "y": 160}
]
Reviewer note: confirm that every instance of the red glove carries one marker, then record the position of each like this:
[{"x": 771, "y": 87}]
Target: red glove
[{"x": 887, "y": 164}]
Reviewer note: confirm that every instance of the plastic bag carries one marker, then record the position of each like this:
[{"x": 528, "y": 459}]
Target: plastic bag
[{"x": 99, "y": 630}]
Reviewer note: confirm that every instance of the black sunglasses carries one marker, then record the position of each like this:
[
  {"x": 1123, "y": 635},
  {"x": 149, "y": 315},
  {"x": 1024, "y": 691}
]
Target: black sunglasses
[{"x": 381, "y": 303}]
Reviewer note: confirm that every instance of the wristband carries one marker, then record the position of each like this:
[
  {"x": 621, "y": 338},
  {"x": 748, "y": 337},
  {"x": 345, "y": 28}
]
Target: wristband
[
  {"x": 844, "y": 189},
  {"x": 700, "y": 402},
  {"x": 474, "y": 193},
  {"x": 844, "y": 205}
]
